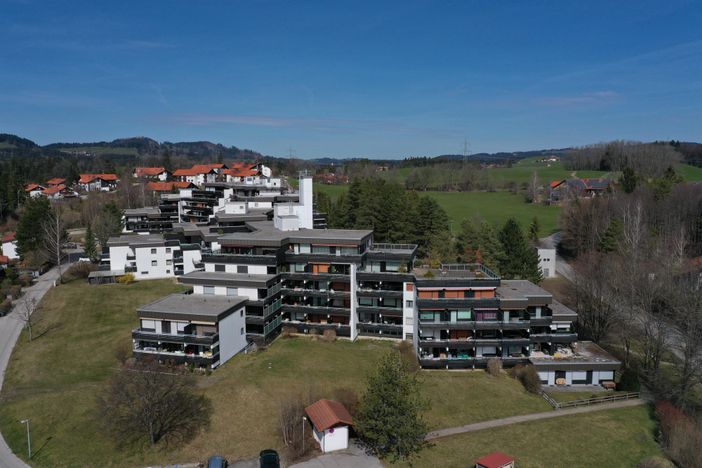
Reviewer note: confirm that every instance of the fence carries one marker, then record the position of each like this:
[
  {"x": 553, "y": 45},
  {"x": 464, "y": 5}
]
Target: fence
[{"x": 589, "y": 401}]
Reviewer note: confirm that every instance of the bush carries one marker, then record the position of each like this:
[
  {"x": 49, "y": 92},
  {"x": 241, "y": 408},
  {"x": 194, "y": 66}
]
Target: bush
[
  {"x": 655, "y": 462},
  {"x": 126, "y": 279},
  {"x": 287, "y": 331},
  {"x": 494, "y": 367},
  {"x": 629, "y": 381},
  {"x": 329, "y": 335},
  {"x": 528, "y": 376},
  {"x": 680, "y": 435},
  {"x": 5, "y": 307},
  {"x": 409, "y": 356},
  {"x": 123, "y": 352},
  {"x": 347, "y": 397},
  {"x": 25, "y": 280},
  {"x": 80, "y": 270},
  {"x": 314, "y": 332}
]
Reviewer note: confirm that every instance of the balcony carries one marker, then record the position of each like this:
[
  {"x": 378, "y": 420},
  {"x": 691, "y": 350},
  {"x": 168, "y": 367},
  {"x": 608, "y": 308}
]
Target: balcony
[
  {"x": 386, "y": 311},
  {"x": 293, "y": 257},
  {"x": 380, "y": 328},
  {"x": 306, "y": 327},
  {"x": 389, "y": 293},
  {"x": 315, "y": 292},
  {"x": 178, "y": 358},
  {"x": 139, "y": 334},
  {"x": 554, "y": 337},
  {"x": 316, "y": 310},
  {"x": 246, "y": 259}
]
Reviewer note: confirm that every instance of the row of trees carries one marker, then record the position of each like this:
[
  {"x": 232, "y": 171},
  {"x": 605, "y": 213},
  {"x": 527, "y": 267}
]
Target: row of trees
[
  {"x": 400, "y": 216},
  {"x": 635, "y": 286},
  {"x": 647, "y": 159}
]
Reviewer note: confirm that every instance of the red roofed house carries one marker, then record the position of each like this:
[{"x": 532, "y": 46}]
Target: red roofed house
[
  {"x": 495, "y": 460},
  {"x": 152, "y": 173},
  {"x": 98, "y": 182},
  {"x": 4, "y": 261},
  {"x": 199, "y": 174},
  {"x": 34, "y": 190},
  {"x": 330, "y": 424},
  {"x": 55, "y": 181},
  {"x": 57, "y": 192},
  {"x": 9, "y": 245},
  {"x": 168, "y": 186}
]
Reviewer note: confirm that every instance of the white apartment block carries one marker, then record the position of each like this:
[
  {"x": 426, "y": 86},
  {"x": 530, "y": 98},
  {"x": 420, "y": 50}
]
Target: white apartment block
[{"x": 151, "y": 256}]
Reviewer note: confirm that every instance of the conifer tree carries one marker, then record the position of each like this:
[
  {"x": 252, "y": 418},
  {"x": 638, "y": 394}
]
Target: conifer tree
[
  {"x": 90, "y": 246},
  {"x": 388, "y": 420},
  {"x": 520, "y": 260}
]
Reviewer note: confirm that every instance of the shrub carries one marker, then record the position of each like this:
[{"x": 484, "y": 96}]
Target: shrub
[
  {"x": 123, "y": 352},
  {"x": 15, "y": 291},
  {"x": 80, "y": 270},
  {"x": 314, "y": 332},
  {"x": 655, "y": 462},
  {"x": 629, "y": 381},
  {"x": 528, "y": 376},
  {"x": 680, "y": 435},
  {"x": 25, "y": 280},
  {"x": 409, "y": 356},
  {"x": 347, "y": 397},
  {"x": 329, "y": 335},
  {"x": 494, "y": 366},
  {"x": 287, "y": 331},
  {"x": 5, "y": 307},
  {"x": 126, "y": 279}
]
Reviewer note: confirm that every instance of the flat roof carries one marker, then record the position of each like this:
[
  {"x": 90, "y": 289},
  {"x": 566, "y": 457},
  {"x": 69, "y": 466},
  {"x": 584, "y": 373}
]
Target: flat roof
[
  {"x": 581, "y": 355},
  {"x": 522, "y": 293},
  {"x": 136, "y": 239},
  {"x": 455, "y": 271},
  {"x": 219, "y": 277},
  {"x": 562, "y": 312},
  {"x": 147, "y": 210},
  {"x": 264, "y": 233},
  {"x": 192, "y": 307}
]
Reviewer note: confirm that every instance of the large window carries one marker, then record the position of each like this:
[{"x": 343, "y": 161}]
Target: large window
[
  {"x": 464, "y": 315},
  {"x": 210, "y": 290},
  {"x": 242, "y": 268},
  {"x": 219, "y": 268},
  {"x": 426, "y": 316},
  {"x": 232, "y": 291},
  {"x": 148, "y": 325}
]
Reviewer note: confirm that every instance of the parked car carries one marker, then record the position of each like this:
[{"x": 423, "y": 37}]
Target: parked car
[
  {"x": 269, "y": 459},
  {"x": 217, "y": 461}
]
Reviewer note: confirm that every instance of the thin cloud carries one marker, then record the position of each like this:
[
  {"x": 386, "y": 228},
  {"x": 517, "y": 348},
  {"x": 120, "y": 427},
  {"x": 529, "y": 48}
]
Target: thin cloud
[
  {"x": 50, "y": 99},
  {"x": 578, "y": 100}
]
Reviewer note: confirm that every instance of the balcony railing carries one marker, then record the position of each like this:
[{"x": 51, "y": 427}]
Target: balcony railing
[
  {"x": 139, "y": 334},
  {"x": 275, "y": 323}
]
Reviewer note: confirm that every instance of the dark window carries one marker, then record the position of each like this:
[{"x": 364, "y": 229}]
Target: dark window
[
  {"x": 271, "y": 270},
  {"x": 469, "y": 293},
  {"x": 442, "y": 294},
  {"x": 219, "y": 267},
  {"x": 166, "y": 326},
  {"x": 242, "y": 268}
]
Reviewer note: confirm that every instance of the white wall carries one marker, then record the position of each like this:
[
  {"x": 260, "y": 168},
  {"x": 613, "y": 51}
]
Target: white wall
[
  {"x": 190, "y": 258},
  {"x": 331, "y": 440},
  {"x": 231, "y": 340},
  {"x": 547, "y": 262},
  {"x": 9, "y": 249},
  {"x": 306, "y": 208},
  {"x": 408, "y": 313}
]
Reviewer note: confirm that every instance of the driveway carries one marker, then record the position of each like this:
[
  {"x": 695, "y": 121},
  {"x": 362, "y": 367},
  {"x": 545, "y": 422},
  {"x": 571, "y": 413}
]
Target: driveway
[
  {"x": 10, "y": 329},
  {"x": 353, "y": 457}
]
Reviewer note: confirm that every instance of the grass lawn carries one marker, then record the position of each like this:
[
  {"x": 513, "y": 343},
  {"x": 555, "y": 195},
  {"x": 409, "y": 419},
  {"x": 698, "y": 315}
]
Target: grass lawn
[
  {"x": 522, "y": 171},
  {"x": 55, "y": 379},
  {"x": 689, "y": 173},
  {"x": 621, "y": 437},
  {"x": 495, "y": 207}
]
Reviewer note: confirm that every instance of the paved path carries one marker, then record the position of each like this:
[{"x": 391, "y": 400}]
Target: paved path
[
  {"x": 353, "y": 457},
  {"x": 530, "y": 417},
  {"x": 10, "y": 329}
]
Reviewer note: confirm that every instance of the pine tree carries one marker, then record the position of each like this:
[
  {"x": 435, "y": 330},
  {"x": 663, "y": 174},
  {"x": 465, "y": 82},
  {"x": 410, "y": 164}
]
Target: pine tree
[
  {"x": 90, "y": 246},
  {"x": 628, "y": 180},
  {"x": 520, "y": 260},
  {"x": 388, "y": 420},
  {"x": 612, "y": 236},
  {"x": 30, "y": 234},
  {"x": 534, "y": 230}
]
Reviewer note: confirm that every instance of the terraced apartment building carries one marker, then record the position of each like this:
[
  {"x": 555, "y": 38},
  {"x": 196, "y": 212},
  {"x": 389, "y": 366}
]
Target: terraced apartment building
[{"x": 285, "y": 273}]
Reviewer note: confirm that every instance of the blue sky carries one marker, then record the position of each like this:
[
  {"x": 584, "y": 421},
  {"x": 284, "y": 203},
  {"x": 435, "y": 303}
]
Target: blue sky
[{"x": 347, "y": 79}]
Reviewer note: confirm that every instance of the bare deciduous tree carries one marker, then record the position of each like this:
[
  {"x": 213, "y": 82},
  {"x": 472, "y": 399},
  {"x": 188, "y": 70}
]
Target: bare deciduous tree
[
  {"x": 145, "y": 402},
  {"x": 594, "y": 296},
  {"x": 54, "y": 237},
  {"x": 686, "y": 317},
  {"x": 25, "y": 313}
]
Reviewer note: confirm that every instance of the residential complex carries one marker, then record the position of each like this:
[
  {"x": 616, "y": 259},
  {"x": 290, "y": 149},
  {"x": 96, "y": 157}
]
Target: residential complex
[{"x": 288, "y": 274}]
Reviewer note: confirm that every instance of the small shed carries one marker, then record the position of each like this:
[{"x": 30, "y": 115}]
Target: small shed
[
  {"x": 495, "y": 460},
  {"x": 330, "y": 424}
]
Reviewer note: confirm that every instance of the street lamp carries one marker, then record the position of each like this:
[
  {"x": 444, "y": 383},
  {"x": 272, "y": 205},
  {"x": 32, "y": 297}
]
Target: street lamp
[
  {"x": 29, "y": 437},
  {"x": 304, "y": 421}
]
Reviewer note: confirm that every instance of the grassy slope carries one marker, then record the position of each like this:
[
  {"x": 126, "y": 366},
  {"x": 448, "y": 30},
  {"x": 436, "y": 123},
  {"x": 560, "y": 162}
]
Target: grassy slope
[
  {"x": 690, "y": 173},
  {"x": 55, "y": 381},
  {"x": 495, "y": 207},
  {"x": 621, "y": 437}
]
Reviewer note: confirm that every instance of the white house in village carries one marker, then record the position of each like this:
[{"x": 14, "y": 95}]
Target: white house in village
[
  {"x": 9, "y": 246},
  {"x": 330, "y": 424},
  {"x": 152, "y": 256}
]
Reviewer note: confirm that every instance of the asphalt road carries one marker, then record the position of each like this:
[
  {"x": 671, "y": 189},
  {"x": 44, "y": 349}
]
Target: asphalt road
[{"x": 10, "y": 329}]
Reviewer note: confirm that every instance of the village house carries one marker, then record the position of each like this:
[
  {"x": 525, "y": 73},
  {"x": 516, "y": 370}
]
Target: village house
[
  {"x": 98, "y": 182},
  {"x": 34, "y": 190},
  {"x": 577, "y": 188},
  {"x": 330, "y": 424},
  {"x": 151, "y": 173},
  {"x": 9, "y": 245},
  {"x": 57, "y": 192},
  {"x": 55, "y": 181}
]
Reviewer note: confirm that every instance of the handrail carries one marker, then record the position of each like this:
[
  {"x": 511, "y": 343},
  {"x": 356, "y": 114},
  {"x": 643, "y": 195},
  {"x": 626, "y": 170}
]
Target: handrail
[{"x": 590, "y": 401}]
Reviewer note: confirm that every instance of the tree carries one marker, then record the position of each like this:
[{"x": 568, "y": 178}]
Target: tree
[
  {"x": 146, "y": 402},
  {"x": 628, "y": 180},
  {"x": 534, "y": 230},
  {"x": 54, "y": 237},
  {"x": 520, "y": 260},
  {"x": 388, "y": 419},
  {"x": 595, "y": 298},
  {"x": 25, "y": 313},
  {"x": 612, "y": 236},
  {"x": 533, "y": 189},
  {"x": 30, "y": 235},
  {"x": 107, "y": 223},
  {"x": 90, "y": 247}
]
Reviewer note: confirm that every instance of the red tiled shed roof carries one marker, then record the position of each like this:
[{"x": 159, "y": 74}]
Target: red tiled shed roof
[
  {"x": 9, "y": 236},
  {"x": 149, "y": 171},
  {"x": 4, "y": 260},
  {"x": 55, "y": 181},
  {"x": 495, "y": 460},
  {"x": 30, "y": 187},
  {"x": 54, "y": 189},
  {"x": 168, "y": 186},
  {"x": 87, "y": 178},
  {"x": 328, "y": 413}
]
